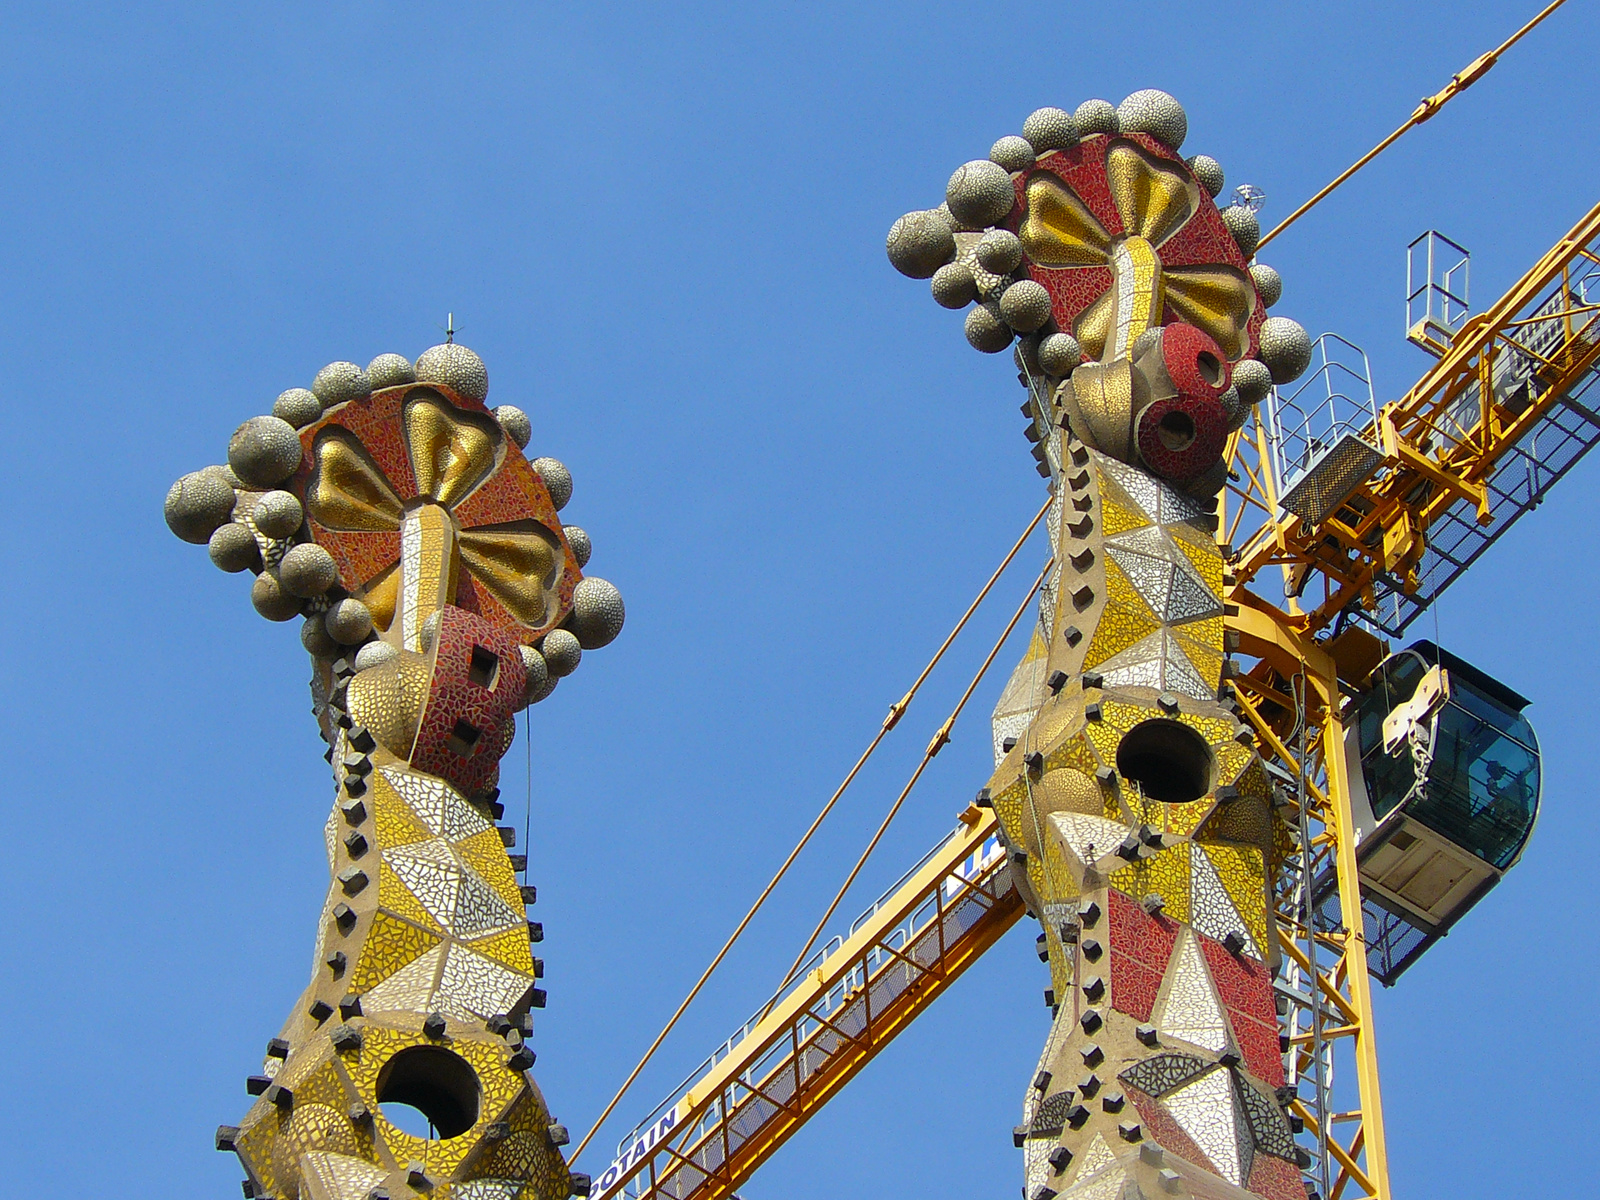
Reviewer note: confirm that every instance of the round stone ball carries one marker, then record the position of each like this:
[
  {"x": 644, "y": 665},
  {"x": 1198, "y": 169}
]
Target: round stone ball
[
  {"x": 986, "y": 329},
  {"x": 562, "y": 652},
  {"x": 430, "y": 630},
  {"x": 272, "y": 600},
  {"x": 578, "y": 539},
  {"x": 314, "y": 637},
  {"x": 1209, "y": 172},
  {"x": 1242, "y": 223},
  {"x": 999, "y": 251},
  {"x": 278, "y": 514},
  {"x": 1025, "y": 305},
  {"x": 1095, "y": 116},
  {"x": 544, "y": 692},
  {"x": 308, "y": 570},
  {"x": 264, "y": 451},
  {"x": 1059, "y": 354},
  {"x": 1012, "y": 153},
  {"x": 349, "y": 622},
  {"x": 1156, "y": 113},
  {"x": 1234, "y": 408},
  {"x": 297, "y": 406},
  {"x": 1268, "y": 283},
  {"x": 390, "y": 370},
  {"x": 1050, "y": 129},
  {"x": 198, "y": 504},
  {"x": 1285, "y": 348},
  {"x": 233, "y": 548},
  {"x": 453, "y": 365},
  {"x": 341, "y": 381},
  {"x": 375, "y": 654},
  {"x": 920, "y": 243},
  {"x": 557, "y": 478},
  {"x": 538, "y": 672},
  {"x": 1252, "y": 380},
  {"x": 597, "y": 612},
  {"x": 953, "y": 285},
  {"x": 980, "y": 194},
  {"x": 516, "y": 424}
]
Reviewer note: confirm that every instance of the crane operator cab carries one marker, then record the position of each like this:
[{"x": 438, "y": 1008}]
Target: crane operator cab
[{"x": 1444, "y": 783}]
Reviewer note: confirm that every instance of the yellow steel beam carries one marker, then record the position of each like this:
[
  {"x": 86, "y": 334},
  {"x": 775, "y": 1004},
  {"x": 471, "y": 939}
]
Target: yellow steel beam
[{"x": 795, "y": 1059}]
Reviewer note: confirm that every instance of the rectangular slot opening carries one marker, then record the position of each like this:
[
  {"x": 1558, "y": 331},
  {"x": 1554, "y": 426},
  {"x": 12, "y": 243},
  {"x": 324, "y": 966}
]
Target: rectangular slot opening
[
  {"x": 484, "y": 670},
  {"x": 464, "y": 739}
]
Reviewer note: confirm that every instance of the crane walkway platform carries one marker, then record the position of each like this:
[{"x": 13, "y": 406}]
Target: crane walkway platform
[{"x": 849, "y": 1001}]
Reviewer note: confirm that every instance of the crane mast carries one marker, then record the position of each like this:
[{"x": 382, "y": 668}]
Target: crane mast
[{"x": 1469, "y": 449}]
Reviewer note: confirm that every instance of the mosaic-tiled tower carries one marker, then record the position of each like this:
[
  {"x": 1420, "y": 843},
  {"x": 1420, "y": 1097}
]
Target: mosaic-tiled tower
[
  {"x": 441, "y": 595},
  {"x": 1137, "y": 814}
]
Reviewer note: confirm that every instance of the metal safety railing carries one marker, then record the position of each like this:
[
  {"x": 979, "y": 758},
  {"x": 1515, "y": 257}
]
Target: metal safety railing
[{"x": 852, "y": 998}]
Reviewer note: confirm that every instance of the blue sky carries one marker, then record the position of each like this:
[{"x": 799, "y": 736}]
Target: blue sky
[{"x": 663, "y": 230}]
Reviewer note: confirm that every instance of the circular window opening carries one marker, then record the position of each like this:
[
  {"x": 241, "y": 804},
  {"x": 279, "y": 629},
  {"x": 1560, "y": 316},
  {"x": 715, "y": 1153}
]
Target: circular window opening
[
  {"x": 1210, "y": 367},
  {"x": 1175, "y": 429},
  {"x": 433, "y": 1082},
  {"x": 1167, "y": 759}
]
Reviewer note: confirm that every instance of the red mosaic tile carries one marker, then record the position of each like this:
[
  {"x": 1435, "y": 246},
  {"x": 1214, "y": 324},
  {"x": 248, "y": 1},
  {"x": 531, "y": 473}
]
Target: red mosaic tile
[
  {"x": 1134, "y": 987},
  {"x": 1201, "y": 240},
  {"x": 1245, "y": 987},
  {"x": 512, "y": 492},
  {"x": 1276, "y": 1178},
  {"x": 1149, "y": 940},
  {"x": 1160, "y": 1128},
  {"x": 454, "y": 697}
]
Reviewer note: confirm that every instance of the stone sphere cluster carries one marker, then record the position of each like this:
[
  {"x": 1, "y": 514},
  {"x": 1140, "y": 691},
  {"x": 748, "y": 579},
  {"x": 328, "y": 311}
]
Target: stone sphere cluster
[
  {"x": 248, "y": 520},
  {"x": 971, "y": 264}
]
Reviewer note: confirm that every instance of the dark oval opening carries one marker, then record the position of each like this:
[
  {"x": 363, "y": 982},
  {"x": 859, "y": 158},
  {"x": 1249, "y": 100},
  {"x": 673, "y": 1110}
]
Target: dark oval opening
[
  {"x": 1210, "y": 367},
  {"x": 439, "y": 1084},
  {"x": 1167, "y": 759},
  {"x": 1175, "y": 429}
]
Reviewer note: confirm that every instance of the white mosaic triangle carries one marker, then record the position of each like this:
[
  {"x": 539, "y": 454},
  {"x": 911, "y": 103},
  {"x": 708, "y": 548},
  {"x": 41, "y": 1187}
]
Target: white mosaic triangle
[
  {"x": 1088, "y": 838},
  {"x": 1191, "y": 1010},
  {"x": 410, "y": 989},
  {"x": 1206, "y": 1110}
]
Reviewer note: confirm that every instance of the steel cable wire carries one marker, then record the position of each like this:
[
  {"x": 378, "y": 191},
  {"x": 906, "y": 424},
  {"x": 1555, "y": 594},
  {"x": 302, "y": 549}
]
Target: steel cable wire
[{"x": 896, "y": 711}]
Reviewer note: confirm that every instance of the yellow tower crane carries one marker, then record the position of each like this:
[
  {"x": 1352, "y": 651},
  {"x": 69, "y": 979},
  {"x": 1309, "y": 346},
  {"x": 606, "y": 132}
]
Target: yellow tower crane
[{"x": 1367, "y": 526}]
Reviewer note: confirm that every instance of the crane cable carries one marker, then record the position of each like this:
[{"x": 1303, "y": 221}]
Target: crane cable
[
  {"x": 1459, "y": 82},
  {"x": 940, "y": 739},
  {"x": 896, "y": 711}
]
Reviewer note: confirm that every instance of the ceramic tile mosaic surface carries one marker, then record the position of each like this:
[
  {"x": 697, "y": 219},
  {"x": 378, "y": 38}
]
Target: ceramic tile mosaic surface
[
  {"x": 1125, "y": 784},
  {"x": 395, "y": 514}
]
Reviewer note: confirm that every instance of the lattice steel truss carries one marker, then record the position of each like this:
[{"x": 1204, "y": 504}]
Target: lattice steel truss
[{"x": 1467, "y": 451}]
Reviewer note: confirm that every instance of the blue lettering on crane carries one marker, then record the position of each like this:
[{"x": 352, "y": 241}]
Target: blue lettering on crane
[{"x": 633, "y": 1154}]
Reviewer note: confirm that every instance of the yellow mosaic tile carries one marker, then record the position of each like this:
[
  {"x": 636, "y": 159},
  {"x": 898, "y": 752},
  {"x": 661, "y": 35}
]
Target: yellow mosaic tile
[
  {"x": 1254, "y": 782},
  {"x": 486, "y": 854},
  {"x": 1126, "y": 716},
  {"x": 1112, "y": 493},
  {"x": 509, "y": 949},
  {"x": 1207, "y": 560},
  {"x": 1125, "y": 619},
  {"x": 1167, "y": 874},
  {"x": 1206, "y": 631},
  {"x": 397, "y": 824},
  {"x": 391, "y": 944},
  {"x": 255, "y": 1147},
  {"x": 498, "y": 1085},
  {"x": 399, "y": 900},
  {"x": 1073, "y": 754},
  {"x": 1243, "y": 874},
  {"x": 1206, "y": 660},
  {"x": 1105, "y": 738},
  {"x": 1232, "y": 758},
  {"x": 1119, "y": 517},
  {"x": 1184, "y": 819}
]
